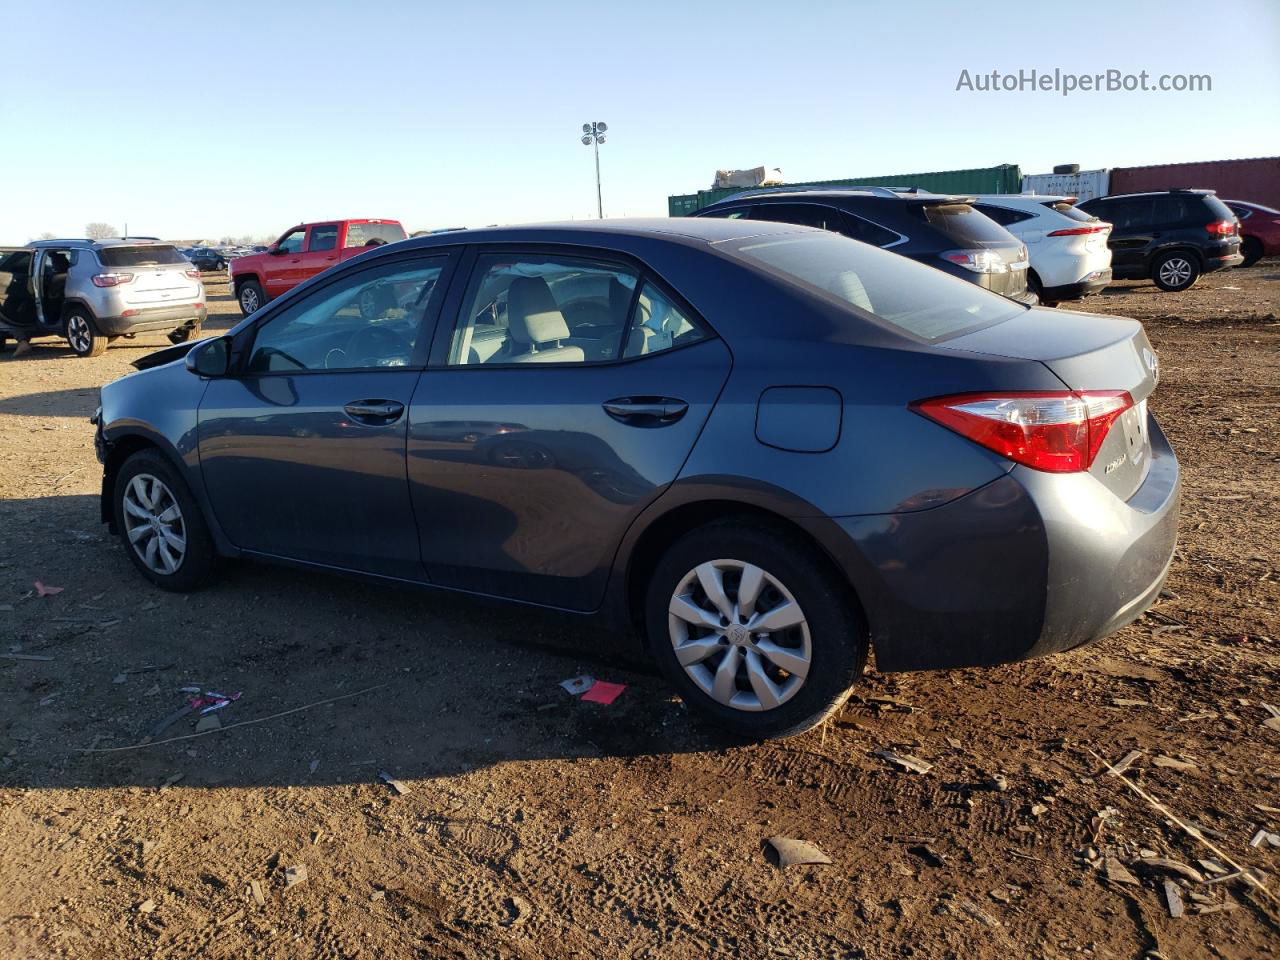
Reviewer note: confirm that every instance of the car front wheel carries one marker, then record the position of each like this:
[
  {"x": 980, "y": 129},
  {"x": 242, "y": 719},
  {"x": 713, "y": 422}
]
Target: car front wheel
[
  {"x": 1175, "y": 271},
  {"x": 83, "y": 335},
  {"x": 753, "y": 629},
  {"x": 250, "y": 296},
  {"x": 160, "y": 523}
]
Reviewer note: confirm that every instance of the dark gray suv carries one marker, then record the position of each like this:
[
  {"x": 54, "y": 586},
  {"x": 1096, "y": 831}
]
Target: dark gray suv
[{"x": 769, "y": 448}]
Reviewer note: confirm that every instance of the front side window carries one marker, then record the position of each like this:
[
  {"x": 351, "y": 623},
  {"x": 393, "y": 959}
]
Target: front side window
[
  {"x": 292, "y": 242},
  {"x": 369, "y": 320},
  {"x": 324, "y": 237},
  {"x": 916, "y": 299}
]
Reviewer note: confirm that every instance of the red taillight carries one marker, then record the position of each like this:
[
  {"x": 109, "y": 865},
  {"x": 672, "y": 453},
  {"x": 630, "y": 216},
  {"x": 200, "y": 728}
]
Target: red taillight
[
  {"x": 1058, "y": 431},
  {"x": 1077, "y": 231},
  {"x": 110, "y": 279},
  {"x": 1222, "y": 228},
  {"x": 193, "y": 273}
]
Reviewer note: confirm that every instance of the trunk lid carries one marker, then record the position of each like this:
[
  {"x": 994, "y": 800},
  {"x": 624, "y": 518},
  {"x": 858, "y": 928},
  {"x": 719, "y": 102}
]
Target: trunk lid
[
  {"x": 1086, "y": 352},
  {"x": 160, "y": 284}
]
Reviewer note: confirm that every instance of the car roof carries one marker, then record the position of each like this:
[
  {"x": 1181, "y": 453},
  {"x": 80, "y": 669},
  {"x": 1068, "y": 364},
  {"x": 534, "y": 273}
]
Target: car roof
[
  {"x": 1157, "y": 193},
  {"x": 1034, "y": 198},
  {"x": 840, "y": 193},
  {"x": 81, "y": 243}
]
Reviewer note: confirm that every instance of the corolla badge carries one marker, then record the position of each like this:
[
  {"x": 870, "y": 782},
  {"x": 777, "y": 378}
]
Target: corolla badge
[{"x": 1153, "y": 364}]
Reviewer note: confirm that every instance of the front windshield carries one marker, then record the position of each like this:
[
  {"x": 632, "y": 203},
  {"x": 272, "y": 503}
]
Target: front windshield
[{"x": 916, "y": 299}]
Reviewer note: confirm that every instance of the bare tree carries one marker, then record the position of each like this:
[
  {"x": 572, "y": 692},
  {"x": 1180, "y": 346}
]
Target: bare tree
[
  {"x": 99, "y": 231},
  {"x": 46, "y": 236}
]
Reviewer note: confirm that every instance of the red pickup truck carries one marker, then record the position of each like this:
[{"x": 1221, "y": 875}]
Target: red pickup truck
[{"x": 301, "y": 253}]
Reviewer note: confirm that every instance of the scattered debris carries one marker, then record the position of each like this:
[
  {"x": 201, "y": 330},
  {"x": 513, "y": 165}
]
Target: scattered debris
[
  {"x": 146, "y": 906},
  {"x": 378, "y": 895},
  {"x": 1160, "y": 760},
  {"x": 1126, "y": 702},
  {"x": 1115, "y": 872},
  {"x": 1126, "y": 761},
  {"x": 234, "y": 915},
  {"x": 1163, "y": 865},
  {"x": 1174, "y": 899},
  {"x": 1238, "y": 874},
  {"x": 255, "y": 891},
  {"x": 1267, "y": 837},
  {"x": 928, "y": 855},
  {"x": 578, "y": 685},
  {"x": 210, "y": 722},
  {"x": 604, "y": 692},
  {"x": 1216, "y": 908},
  {"x": 46, "y": 591},
  {"x": 1212, "y": 866},
  {"x": 1000, "y": 896},
  {"x": 905, "y": 760},
  {"x": 399, "y": 787},
  {"x": 796, "y": 852},
  {"x": 1038, "y": 809},
  {"x": 295, "y": 875}
]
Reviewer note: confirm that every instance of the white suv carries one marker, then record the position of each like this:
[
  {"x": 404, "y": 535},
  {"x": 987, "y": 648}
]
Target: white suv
[{"x": 1068, "y": 247}]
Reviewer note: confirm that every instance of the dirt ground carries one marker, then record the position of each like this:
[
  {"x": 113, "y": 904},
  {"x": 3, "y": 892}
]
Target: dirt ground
[{"x": 536, "y": 825}]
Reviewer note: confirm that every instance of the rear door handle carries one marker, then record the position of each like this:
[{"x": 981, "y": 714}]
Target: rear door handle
[
  {"x": 374, "y": 412},
  {"x": 646, "y": 411}
]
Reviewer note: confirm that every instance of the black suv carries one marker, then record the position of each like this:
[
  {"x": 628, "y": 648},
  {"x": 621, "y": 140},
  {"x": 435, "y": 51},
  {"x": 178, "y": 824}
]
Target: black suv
[
  {"x": 946, "y": 232},
  {"x": 1171, "y": 236},
  {"x": 207, "y": 258}
]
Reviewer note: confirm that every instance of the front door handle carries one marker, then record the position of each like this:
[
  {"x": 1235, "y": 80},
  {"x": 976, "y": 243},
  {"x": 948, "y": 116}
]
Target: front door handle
[
  {"x": 374, "y": 412},
  {"x": 646, "y": 411}
]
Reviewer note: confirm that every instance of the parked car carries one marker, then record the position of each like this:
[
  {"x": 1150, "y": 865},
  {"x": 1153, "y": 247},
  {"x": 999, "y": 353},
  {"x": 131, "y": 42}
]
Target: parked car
[
  {"x": 768, "y": 448},
  {"x": 207, "y": 258},
  {"x": 1169, "y": 236},
  {"x": 1068, "y": 249},
  {"x": 93, "y": 291},
  {"x": 302, "y": 252},
  {"x": 946, "y": 232},
  {"x": 1259, "y": 229}
]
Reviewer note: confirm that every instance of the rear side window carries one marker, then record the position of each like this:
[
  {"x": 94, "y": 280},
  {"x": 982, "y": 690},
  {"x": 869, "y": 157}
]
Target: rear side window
[
  {"x": 373, "y": 234},
  {"x": 868, "y": 232},
  {"x": 916, "y": 299},
  {"x": 1217, "y": 209},
  {"x": 737, "y": 213},
  {"x": 801, "y": 214},
  {"x": 1071, "y": 211},
  {"x": 962, "y": 223},
  {"x": 139, "y": 256},
  {"x": 1003, "y": 215},
  {"x": 1175, "y": 208},
  {"x": 1128, "y": 214},
  {"x": 323, "y": 238},
  {"x": 657, "y": 324}
]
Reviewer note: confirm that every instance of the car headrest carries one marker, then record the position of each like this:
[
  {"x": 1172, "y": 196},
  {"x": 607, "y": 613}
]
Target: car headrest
[{"x": 532, "y": 314}]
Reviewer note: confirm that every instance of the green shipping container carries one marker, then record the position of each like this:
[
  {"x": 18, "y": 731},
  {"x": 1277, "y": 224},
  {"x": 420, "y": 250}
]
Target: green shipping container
[{"x": 1004, "y": 178}]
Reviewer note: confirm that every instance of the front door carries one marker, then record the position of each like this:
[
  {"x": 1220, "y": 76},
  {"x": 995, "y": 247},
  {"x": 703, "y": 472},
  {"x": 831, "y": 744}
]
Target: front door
[
  {"x": 563, "y": 397},
  {"x": 17, "y": 304},
  {"x": 302, "y": 448},
  {"x": 283, "y": 268}
]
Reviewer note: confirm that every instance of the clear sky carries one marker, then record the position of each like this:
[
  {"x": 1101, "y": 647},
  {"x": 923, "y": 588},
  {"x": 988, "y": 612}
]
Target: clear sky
[{"x": 189, "y": 120}]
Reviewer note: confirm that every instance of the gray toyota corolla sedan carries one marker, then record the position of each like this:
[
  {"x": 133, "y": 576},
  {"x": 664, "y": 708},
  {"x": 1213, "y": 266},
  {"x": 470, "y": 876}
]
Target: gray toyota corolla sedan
[{"x": 769, "y": 448}]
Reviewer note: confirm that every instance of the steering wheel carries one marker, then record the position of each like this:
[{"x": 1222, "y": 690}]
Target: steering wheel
[{"x": 373, "y": 343}]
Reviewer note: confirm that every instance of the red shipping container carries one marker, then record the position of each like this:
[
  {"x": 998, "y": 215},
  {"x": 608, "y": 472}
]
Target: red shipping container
[{"x": 1256, "y": 180}]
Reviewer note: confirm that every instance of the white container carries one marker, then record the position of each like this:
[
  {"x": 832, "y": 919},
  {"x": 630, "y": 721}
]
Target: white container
[{"x": 1085, "y": 185}]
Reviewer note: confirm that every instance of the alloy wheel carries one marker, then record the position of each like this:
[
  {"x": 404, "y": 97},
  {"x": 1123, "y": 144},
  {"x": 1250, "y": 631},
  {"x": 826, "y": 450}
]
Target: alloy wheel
[
  {"x": 740, "y": 635},
  {"x": 1175, "y": 271},
  {"x": 78, "y": 333},
  {"x": 154, "y": 524},
  {"x": 249, "y": 300}
]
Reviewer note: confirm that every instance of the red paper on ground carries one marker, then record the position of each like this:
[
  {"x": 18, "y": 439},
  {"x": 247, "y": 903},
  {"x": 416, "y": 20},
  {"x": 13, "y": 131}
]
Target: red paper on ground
[{"x": 602, "y": 691}]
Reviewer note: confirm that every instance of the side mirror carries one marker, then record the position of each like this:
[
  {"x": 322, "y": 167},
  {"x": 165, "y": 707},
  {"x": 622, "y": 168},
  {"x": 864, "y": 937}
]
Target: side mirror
[
  {"x": 211, "y": 358},
  {"x": 274, "y": 249}
]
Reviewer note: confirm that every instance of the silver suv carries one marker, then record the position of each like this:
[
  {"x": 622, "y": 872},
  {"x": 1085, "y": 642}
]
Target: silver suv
[{"x": 92, "y": 291}]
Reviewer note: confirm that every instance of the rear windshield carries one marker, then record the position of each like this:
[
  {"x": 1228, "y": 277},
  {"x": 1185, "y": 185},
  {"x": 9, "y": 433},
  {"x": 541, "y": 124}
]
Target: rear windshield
[
  {"x": 140, "y": 256},
  {"x": 963, "y": 224},
  {"x": 1070, "y": 210},
  {"x": 360, "y": 234},
  {"x": 918, "y": 300}
]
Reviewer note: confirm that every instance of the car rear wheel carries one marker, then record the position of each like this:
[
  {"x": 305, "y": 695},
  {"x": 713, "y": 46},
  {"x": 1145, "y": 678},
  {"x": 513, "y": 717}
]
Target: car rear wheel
[
  {"x": 1252, "y": 250},
  {"x": 250, "y": 296},
  {"x": 1175, "y": 271},
  {"x": 83, "y": 335},
  {"x": 753, "y": 629},
  {"x": 160, "y": 523}
]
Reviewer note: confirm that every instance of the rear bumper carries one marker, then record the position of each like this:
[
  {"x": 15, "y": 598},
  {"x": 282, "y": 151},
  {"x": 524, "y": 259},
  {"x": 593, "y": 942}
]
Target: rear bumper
[
  {"x": 1087, "y": 286},
  {"x": 1031, "y": 564},
  {"x": 152, "y": 319},
  {"x": 1221, "y": 262}
]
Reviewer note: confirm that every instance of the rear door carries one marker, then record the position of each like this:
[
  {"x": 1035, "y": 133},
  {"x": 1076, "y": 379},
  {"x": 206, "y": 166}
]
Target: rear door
[
  {"x": 322, "y": 249},
  {"x": 302, "y": 448},
  {"x": 1133, "y": 234},
  {"x": 531, "y": 451}
]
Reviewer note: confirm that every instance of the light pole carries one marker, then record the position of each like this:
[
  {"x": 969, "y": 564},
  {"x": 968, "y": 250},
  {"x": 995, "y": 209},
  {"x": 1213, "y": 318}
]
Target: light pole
[{"x": 593, "y": 135}]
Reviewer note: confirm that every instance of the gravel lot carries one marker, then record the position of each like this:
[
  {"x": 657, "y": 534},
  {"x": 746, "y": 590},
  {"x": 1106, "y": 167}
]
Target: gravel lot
[{"x": 536, "y": 825}]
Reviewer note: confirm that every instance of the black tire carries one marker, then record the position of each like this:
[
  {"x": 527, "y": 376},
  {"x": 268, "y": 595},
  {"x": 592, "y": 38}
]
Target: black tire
[
  {"x": 1252, "y": 250},
  {"x": 199, "y": 560},
  {"x": 220, "y": 265},
  {"x": 83, "y": 335},
  {"x": 189, "y": 332},
  {"x": 837, "y": 636},
  {"x": 250, "y": 296},
  {"x": 1175, "y": 271}
]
